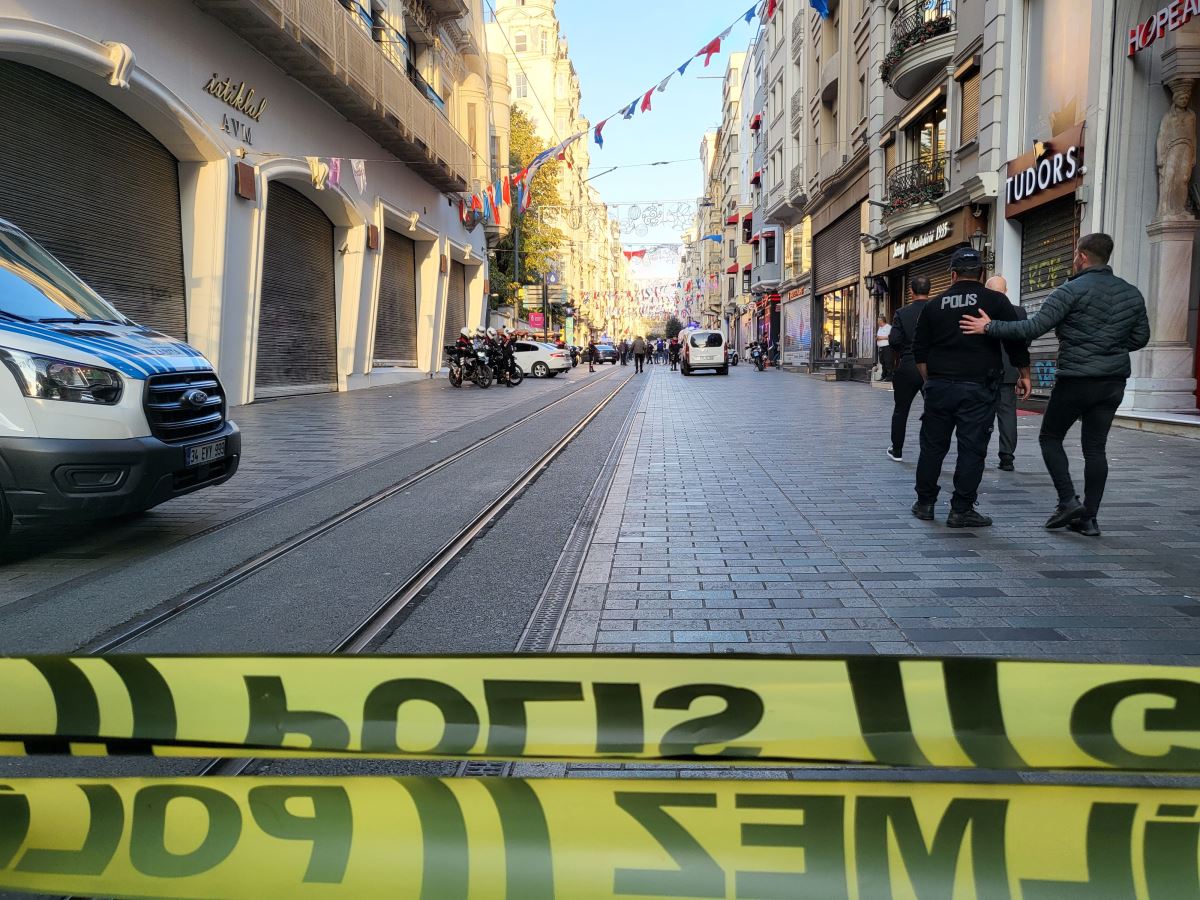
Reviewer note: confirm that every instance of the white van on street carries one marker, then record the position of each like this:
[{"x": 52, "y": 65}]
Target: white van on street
[
  {"x": 99, "y": 416},
  {"x": 703, "y": 349}
]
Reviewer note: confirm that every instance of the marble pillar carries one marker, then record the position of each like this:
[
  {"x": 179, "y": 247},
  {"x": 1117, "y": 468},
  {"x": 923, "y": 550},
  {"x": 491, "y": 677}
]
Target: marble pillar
[{"x": 1164, "y": 373}]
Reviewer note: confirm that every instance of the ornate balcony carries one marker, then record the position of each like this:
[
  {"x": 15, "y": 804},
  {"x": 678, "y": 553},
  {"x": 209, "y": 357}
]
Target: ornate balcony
[
  {"x": 797, "y": 109},
  {"x": 923, "y": 37},
  {"x": 325, "y": 48},
  {"x": 798, "y": 34},
  {"x": 912, "y": 188}
]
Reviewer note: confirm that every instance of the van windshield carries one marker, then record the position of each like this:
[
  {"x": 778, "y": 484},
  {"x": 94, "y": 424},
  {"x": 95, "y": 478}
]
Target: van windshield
[
  {"x": 707, "y": 339},
  {"x": 36, "y": 287}
]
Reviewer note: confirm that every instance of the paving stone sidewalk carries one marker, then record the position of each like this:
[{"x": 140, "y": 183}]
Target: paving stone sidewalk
[{"x": 758, "y": 512}]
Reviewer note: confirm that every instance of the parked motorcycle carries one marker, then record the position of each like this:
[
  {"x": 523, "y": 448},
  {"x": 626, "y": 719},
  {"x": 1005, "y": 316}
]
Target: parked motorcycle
[
  {"x": 759, "y": 358},
  {"x": 504, "y": 365},
  {"x": 472, "y": 366}
]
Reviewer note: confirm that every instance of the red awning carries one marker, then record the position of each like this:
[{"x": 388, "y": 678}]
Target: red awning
[
  {"x": 747, "y": 267},
  {"x": 756, "y": 177},
  {"x": 732, "y": 220},
  {"x": 732, "y": 270},
  {"x": 756, "y": 122},
  {"x": 756, "y": 238},
  {"x": 747, "y": 217}
]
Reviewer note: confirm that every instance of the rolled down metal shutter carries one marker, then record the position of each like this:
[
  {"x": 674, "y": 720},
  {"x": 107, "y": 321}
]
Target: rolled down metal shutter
[
  {"x": 95, "y": 189},
  {"x": 1047, "y": 250},
  {"x": 836, "y": 252},
  {"x": 396, "y": 321},
  {"x": 936, "y": 268},
  {"x": 297, "y": 318},
  {"x": 456, "y": 303}
]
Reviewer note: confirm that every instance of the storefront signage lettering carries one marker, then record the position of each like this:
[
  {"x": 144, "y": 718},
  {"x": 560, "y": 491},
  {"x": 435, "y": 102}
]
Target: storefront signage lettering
[
  {"x": 237, "y": 96},
  {"x": 1049, "y": 171},
  {"x": 238, "y": 129},
  {"x": 902, "y": 249},
  {"x": 1171, "y": 17}
]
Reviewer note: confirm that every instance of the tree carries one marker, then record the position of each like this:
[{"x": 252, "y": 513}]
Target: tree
[
  {"x": 540, "y": 242},
  {"x": 674, "y": 326}
]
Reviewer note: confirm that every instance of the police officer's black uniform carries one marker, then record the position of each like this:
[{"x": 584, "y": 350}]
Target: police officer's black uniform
[{"x": 964, "y": 376}]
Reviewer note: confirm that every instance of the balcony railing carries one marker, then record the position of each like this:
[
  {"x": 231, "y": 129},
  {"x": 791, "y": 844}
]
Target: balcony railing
[
  {"x": 326, "y": 48},
  {"x": 914, "y": 183},
  {"x": 797, "y": 109},
  {"x": 798, "y": 34},
  {"x": 916, "y": 22}
]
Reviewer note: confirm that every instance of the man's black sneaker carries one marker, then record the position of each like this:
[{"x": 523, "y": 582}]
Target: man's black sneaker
[
  {"x": 1006, "y": 465},
  {"x": 1086, "y": 526},
  {"x": 969, "y": 519},
  {"x": 894, "y": 456},
  {"x": 923, "y": 511},
  {"x": 1066, "y": 513}
]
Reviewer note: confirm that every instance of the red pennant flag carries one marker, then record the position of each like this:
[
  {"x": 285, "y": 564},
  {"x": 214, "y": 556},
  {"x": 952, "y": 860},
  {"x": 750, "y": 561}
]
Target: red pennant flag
[
  {"x": 491, "y": 194},
  {"x": 646, "y": 100},
  {"x": 709, "y": 50},
  {"x": 476, "y": 203},
  {"x": 506, "y": 191},
  {"x": 772, "y": 5}
]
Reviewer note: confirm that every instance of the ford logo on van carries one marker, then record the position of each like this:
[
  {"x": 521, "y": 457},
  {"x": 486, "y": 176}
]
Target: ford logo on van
[{"x": 195, "y": 398}]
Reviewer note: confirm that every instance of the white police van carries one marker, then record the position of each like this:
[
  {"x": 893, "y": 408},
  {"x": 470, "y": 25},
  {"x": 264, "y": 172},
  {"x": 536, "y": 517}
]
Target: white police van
[
  {"x": 98, "y": 416},
  {"x": 703, "y": 348}
]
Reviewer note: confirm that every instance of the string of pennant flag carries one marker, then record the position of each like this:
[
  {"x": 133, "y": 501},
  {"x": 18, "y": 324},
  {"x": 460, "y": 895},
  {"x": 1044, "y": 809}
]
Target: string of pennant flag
[{"x": 515, "y": 190}]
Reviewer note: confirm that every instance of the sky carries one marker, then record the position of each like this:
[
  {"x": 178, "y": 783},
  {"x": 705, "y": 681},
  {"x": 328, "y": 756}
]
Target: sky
[{"x": 621, "y": 49}]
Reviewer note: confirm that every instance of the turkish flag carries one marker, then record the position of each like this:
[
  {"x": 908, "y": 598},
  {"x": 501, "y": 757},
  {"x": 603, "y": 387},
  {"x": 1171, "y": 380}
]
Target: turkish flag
[
  {"x": 646, "y": 100},
  {"x": 709, "y": 50}
]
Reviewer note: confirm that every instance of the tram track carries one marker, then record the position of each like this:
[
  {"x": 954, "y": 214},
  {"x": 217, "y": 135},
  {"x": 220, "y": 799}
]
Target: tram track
[{"x": 124, "y": 634}]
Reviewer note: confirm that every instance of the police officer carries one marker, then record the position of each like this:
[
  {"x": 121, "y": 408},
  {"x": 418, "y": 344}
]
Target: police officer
[{"x": 962, "y": 382}]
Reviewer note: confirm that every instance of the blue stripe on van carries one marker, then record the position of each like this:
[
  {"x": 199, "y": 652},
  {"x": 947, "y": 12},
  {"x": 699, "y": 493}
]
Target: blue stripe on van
[{"x": 129, "y": 357}]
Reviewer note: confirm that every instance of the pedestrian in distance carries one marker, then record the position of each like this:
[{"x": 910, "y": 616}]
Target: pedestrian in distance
[
  {"x": 662, "y": 350},
  {"x": 592, "y": 353},
  {"x": 673, "y": 352},
  {"x": 1006, "y": 408},
  {"x": 1100, "y": 319},
  {"x": 623, "y": 350},
  {"x": 639, "y": 354},
  {"x": 907, "y": 381},
  {"x": 883, "y": 349},
  {"x": 962, "y": 374}
]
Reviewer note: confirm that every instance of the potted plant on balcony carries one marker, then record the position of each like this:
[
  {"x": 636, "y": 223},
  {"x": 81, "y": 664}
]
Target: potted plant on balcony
[{"x": 924, "y": 31}]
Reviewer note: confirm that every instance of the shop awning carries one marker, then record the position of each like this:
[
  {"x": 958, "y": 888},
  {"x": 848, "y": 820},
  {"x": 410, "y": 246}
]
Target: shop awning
[
  {"x": 756, "y": 178},
  {"x": 757, "y": 237},
  {"x": 756, "y": 122},
  {"x": 747, "y": 217},
  {"x": 732, "y": 220},
  {"x": 747, "y": 267},
  {"x": 732, "y": 270}
]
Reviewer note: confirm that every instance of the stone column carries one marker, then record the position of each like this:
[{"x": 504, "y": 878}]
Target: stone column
[{"x": 1164, "y": 373}]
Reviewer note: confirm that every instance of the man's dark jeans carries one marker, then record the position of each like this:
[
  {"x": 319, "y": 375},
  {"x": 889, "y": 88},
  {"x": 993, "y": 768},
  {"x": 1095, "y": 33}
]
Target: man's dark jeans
[
  {"x": 906, "y": 384},
  {"x": 969, "y": 409},
  {"x": 1094, "y": 402},
  {"x": 639, "y": 361}
]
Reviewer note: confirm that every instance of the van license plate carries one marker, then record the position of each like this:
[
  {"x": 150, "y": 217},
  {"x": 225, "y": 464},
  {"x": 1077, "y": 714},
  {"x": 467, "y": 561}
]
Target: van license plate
[{"x": 205, "y": 453}]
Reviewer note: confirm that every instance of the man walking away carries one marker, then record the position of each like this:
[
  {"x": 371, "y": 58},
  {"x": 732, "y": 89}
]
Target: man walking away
[
  {"x": 1006, "y": 408},
  {"x": 592, "y": 353},
  {"x": 673, "y": 351},
  {"x": 906, "y": 383},
  {"x": 962, "y": 375},
  {"x": 1100, "y": 319},
  {"x": 883, "y": 349},
  {"x": 623, "y": 351},
  {"x": 639, "y": 354}
]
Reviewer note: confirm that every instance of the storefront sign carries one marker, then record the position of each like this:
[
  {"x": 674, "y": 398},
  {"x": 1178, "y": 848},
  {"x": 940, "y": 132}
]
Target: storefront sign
[
  {"x": 905, "y": 248},
  {"x": 537, "y": 320},
  {"x": 237, "y": 96},
  {"x": 942, "y": 235},
  {"x": 1047, "y": 172},
  {"x": 1171, "y": 17}
]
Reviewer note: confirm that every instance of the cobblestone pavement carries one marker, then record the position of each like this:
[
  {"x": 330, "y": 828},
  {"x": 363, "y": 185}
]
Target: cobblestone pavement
[
  {"x": 289, "y": 446},
  {"x": 758, "y": 512}
]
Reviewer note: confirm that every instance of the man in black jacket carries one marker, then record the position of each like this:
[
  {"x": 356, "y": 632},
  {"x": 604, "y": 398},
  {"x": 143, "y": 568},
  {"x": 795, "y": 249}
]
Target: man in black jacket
[
  {"x": 962, "y": 376},
  {"x": 1006, "y": 407},
  {"x": 1099, "y": 319},
  {"x": 906, "y": 380}
]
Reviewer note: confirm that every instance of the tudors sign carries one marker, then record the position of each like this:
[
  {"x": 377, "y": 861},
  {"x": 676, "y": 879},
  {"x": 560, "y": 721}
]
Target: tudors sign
[
  {"x": 1045, "y": 173},
  {"x": 1171, "y": 17}
]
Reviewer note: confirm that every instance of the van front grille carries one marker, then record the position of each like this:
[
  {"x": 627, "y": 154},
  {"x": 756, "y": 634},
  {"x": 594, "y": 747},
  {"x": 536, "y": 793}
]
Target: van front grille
[{"x": 177, "y": 412}]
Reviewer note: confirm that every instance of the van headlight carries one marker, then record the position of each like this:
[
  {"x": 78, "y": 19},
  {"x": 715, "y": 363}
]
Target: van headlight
[{"x": 48, "y": 378}]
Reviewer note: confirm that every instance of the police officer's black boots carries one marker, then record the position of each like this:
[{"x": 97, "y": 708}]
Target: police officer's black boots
[{"x": 972, "y": 518}]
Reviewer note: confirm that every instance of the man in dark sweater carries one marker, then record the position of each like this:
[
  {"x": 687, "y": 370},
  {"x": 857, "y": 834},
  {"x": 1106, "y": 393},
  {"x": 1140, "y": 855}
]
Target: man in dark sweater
[
  {"x": 1099, "y": 319},
  {"x": 962, "y": 375},
  {"x": 906, "y": 381}
]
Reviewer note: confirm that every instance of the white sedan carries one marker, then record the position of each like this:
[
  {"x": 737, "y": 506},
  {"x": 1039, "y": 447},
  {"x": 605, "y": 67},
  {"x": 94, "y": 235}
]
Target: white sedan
[{"x": 541, "y": 360}]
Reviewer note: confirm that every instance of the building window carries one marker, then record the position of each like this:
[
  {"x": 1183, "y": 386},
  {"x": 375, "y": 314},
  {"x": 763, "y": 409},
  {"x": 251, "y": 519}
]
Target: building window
[
  {"x": 561, "y": 84},
  {"x": 970, "y": 109},
  {"x": 768, "y": 245},
  {"x": 544, "y": 38},
  {"x": 473, "y": 125},
  {"x": 745, "y": 282},
  {"x": 732, "y": 249},
  {"x": 522, "y": 86},
  {"x": 862, "y": 98},
  {"x": 926, "y": 137},
  {"x": 521, "y": 41},
  {"x": 1056, "y": 67}
]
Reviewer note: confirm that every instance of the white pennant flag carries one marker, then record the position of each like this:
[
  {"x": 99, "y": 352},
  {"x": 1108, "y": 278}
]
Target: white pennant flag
[
  {"x": 359, "y": 168},
  {"x": 662, "y": 85}
]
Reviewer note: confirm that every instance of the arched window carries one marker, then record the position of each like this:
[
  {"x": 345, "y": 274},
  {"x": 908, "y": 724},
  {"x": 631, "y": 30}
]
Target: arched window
[{"x": 521, "y": 41}]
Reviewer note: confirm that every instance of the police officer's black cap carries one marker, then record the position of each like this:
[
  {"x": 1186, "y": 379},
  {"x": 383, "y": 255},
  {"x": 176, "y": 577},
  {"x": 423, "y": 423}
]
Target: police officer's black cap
[{"x": 966, "y": 259}]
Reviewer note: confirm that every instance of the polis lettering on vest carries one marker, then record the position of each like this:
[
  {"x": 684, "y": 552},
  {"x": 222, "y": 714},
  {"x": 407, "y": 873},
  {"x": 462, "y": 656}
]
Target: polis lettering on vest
[
  {"x": 960, "y": 301},
  {"x": 1171, "y": 17}
]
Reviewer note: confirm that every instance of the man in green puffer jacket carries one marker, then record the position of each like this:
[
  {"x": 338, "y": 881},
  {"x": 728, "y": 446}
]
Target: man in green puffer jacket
[{"x": 1099, "y": 319}]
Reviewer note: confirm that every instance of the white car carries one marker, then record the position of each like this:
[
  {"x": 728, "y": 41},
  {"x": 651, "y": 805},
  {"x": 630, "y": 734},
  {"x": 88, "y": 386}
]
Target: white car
[
  {"x": 703, "y": 349},
  {"x": 541, "y": 360}
]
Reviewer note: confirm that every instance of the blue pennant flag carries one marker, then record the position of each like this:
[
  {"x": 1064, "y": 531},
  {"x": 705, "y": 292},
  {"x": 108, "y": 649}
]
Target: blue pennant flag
[
  {"x": 628, "y": 114},
  {"x": 821, "y": 6},
  {"x": 683, "y": 68},
  {"x": 716, "y": 238},
  {"x": 751, "y": 13}
]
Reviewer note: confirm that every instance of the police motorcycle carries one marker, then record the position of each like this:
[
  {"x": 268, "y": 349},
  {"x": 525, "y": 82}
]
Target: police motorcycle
[
  {"x": 502, "y": 360},
  {"x": 758, "y": 356},
  {"x": 468, "y": 360}
]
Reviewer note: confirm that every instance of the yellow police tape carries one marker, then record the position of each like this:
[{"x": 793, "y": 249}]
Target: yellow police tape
[
  {"x": 911, "y": 712},
  {"x": 579, "y": 838}
]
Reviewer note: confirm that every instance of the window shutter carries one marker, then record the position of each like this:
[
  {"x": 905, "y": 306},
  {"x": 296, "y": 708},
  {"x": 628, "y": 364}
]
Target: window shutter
[{"x": 970, "y": 109}]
